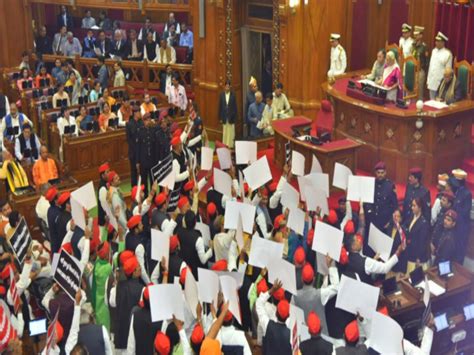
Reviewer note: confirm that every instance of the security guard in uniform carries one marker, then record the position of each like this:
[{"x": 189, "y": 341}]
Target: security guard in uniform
[
  {"x": 132, "y": 128},
  {"x": 385, "y": 201},
  {"x": 420, "y": 52},
  {"x": 416, "y": 190},
  {"x": 145, "y": 154}
]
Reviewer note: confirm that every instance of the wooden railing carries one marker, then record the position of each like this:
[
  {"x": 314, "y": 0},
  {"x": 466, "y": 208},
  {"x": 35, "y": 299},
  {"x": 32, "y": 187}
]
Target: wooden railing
[
  {"x": 142, "y": 75},
  {"x": 164, "y": 5}
]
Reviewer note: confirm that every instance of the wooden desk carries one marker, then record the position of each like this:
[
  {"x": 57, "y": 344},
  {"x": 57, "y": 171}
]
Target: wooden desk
[
  {"x": 342, "y": 151},
  {"x": 390, "y": 134}
]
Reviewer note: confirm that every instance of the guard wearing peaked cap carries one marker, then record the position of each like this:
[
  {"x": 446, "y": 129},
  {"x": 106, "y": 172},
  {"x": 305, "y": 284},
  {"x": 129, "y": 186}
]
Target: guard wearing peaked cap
[
  {"x": 421, "y": 54},
  {"x": 338, "y": 56},
  {"x": 406, "y": 40},
  {"x": 441, "y": 58}
]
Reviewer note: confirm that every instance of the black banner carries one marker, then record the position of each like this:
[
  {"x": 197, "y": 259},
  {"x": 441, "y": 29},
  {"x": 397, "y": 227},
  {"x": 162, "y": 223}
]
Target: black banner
[
  {"x": 20, "y": 241},
  {"x": 68, "y": 274},
  {"x": 163, "y": 168},
  {"x": 174, "y": 197}
]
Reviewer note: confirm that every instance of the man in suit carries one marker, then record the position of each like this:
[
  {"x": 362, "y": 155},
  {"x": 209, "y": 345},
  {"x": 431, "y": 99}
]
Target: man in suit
[
  {"x": 147, "y": 28},
  {"x": 102, "y": 45},
  {"x": 64, "y": 18},
  {"x": 103, "y": 74},
  {"x": 59, "y": 40},
  {"x": 416, "y": 190},
  {"x": 254, "y": 115},
  {"x": 145, "y": 150},
  {"x": 227, "y": 114},
  {"x": 27, "y": 145},
  {"x": 119, "y": 47},
  {"x": 43, "y": 43},
  {"x": 132, "y": 128},
  {"x": 134, "y": 46},
  {"x": 88, "y": 45},
  {"x": 450, "y": 90}
]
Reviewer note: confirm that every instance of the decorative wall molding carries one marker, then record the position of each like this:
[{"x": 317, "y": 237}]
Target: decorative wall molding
[
  {"x": 228, "y": 40},
  {"x": 276, "y": 42}
]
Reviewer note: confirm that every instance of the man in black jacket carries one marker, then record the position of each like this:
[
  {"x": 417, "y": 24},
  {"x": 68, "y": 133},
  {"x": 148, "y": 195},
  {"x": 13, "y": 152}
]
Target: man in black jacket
[
  {"x": 145, "y": 152},
  {"x": 43, "y": 43},
  {"x": 65, "y": 19},
  {"x": 227, "y": 115},
  {"x": 316, "y": 344},
  {"x": 132, "y": 128},
  {"x": 134, "y": 46},
  {"x": 416, "y": 190}
]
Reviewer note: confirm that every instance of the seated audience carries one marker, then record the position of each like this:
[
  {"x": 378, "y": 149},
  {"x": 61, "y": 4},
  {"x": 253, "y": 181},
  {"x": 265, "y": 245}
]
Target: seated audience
[
  {"x": 165, "y": 54},
  {"x": 150, "y": 48},
  {"x": 27, "y": 145},
  {"x": 146, "y": 29},
  {"x": 134, "y": 46},
  {"x": 25, "y": 61},
  {"x": 119, "y": 48},
  {"x": 147, "y": 106},
  {"x": 60, "y": 40},
  {"x": 67, "y": 124},
  {"x": 12, "y": 124},
  {"x": 124, "y": 113},
  {"x": 172, "y": 21},
  {"x": 77, "y": 88},
  {"x": 171, "y": 36},
  {"x": 107, "y": 98},
  {"x": 72, "y": 47},
  {"x": 25, "y": 81},
  {"x": 59, "y": 72},
  {"x": 88, "y": 21},
  {"x": 60, "y": 96},
  {"x": 104, "y": 118},
  {"x": 13, "y": 172},
  {"x": 45, "y": 168},
  {"x": 103, "y": 45},
  {"x": 43, "y": 43},
  {"x": 95, "y": 93},
  {"x": 43, "y": 76},
  {"x": 88, "y": 45},
  {"x": 84, "y": 121},
  {"x": 450, "y": 90}
]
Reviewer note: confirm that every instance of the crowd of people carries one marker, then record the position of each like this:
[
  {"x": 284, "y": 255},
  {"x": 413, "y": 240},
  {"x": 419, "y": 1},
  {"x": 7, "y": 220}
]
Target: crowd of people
[{"x": 147, "y": 44}]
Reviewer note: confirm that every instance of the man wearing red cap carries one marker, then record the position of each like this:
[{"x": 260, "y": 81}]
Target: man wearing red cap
[
  {"x": 135, "y": 241},
  {"x": 64, "y": 218},
  {"x": 444, "y": 249},
  {"x": 312, "y": 299},
  {"x": 385, "y": 200},
  {"x": 42, "y": 205},
  {"x": 181, "y": 159},
  {"x": 176, "y": 265},
  {"x": 233, "y": 338},
  {"x": 104, "y": 170},
  {"x": 416, "y": 190},
  {"x": 160, "y": 218},
  {"x": 316, "y": 344},
  {"x": 276, "y": 338},
  {"x": 102, "y": 271},
  {"x": 225, "y": 246},
  {"x": 351, "y": 335},
  {"x": 145, "y": 151}
]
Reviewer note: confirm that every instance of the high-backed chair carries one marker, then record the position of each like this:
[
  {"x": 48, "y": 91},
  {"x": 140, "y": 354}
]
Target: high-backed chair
[
  {"x": 397, "y": 51},
  {"x": 463, "y": 71},
  {"x": 324, "y": 121},
  {"x": 410, "y": 82}
]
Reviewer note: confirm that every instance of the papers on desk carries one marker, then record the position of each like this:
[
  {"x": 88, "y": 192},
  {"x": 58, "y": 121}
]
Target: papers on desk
[
  {"x": 436, "y": 104},
  {"x": 373, "y": 84},
  {"x": 356, "y": 296},
  {"x": 386, "y": 335},
  {"x": 380, "y": 242},
  {"x": 303, "y": 138},
  {"x": 435, "y": 289}
]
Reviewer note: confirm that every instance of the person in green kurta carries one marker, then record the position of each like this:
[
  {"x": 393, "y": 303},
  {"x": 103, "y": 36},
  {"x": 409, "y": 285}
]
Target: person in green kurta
[{"x": 102, "y": 271}]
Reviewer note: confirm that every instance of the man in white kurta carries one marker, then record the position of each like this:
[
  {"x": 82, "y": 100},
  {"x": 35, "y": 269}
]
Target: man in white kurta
[
  {"x": 406, "y": 40},
  {"x": 441, "y": 58},
  {"x": 338, "y": 56}
]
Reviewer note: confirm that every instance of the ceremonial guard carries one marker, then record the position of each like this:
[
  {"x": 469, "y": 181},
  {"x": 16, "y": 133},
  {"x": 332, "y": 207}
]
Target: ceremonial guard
[
  {"x": 441, "y": 58},
  {"x": 416, "y": 190},
  {"x": 420, "y": 52},
  {"x": 406, "y": 41},
  {"x": 132, "y": 129},
  {"x": 338, "y": 56}
]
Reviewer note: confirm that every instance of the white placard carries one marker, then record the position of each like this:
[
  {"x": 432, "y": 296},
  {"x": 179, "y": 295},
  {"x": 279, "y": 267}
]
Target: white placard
[
  {"x": 284, "y": 271},
  {"x": 327, "y": 240},
  {"x": 138, "y": 198},
  {"x": 207, "y": 155},
  {"x": 77, "y": 214},
  {"x": 160, "y": 245},
  {"x": 357, "y": 297},
  {"x": 321, "y": 265},
  {"x": 245, "y": 152},
  {"x": 166, "y": 300},
  {"x": 231, "y": 216},
  {"x": 229, "y": 291},
  {"x": 289, "y": 196},
  {"x": 361, "y": 188},
  {"x": 316, "y": 166},
  {"x": 296, "y": 220},
  {"x": 238, "y": 276},
  {"x": 239, "y": 233},
  {"x": 170, "y": 180},
  {"x": 225, "y": 159},
  {"x": 262, "y": 250},
  {"x": 386, "y": 335},
  {"x": 208, "y": 286},
  {"x": 297, "y": 163},
  {"x": 258, "y": 173},
  {"x": 380, "y": 242},
  {"x": 112, "y": 219},
  {"x": 222, "y": 182},
  {"x": 85, "y": 196},
  {"x": 205, "y": 232},
  {"x": 317, "y": 198},
  {"x": 341, "y": 176},
  {"x": 191, "y": 292},
  {"x": 320, "y": 181}
]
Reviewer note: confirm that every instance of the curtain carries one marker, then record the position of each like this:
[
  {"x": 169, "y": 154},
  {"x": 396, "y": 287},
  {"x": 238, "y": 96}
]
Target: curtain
[
  {"x": 359, "y": 34},
  {"x": 398, "y": 16}
]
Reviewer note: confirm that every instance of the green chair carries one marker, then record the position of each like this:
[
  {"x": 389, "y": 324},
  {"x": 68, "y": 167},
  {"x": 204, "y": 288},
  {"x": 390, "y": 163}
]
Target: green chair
[
  {"x": 410, "y": 82},
  {"x": 463, "y": 72}
]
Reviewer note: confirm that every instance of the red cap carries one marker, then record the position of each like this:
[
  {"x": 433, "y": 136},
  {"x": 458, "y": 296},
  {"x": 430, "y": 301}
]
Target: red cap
[
  {"x": 162, "y": 343},
  {"x": 146, "y": 291},
  {"x": 307, "y": 274},
  {"x": 314, "y": 323},
  {"x": 283, "y": 309},
  {"x": 111, "y": 176},
  {"x": 51, "y": 193},
  {"x": 383, "y": 310},
  {"x": 344, "y": 257},
  {"x": 380, "y": 166},
  {"x": 177, "y": 133},
  {"x": 175, "y": 141},
  {"x": 246, "y": 189},
  {"x": 449, "y": 195},
  {"x": 309, "y": 241},
  {"x": 263, "y": 191},
  {"x": 332, "y": 217},
  {"x": 6, "y": 271},
  {"x": 452, "y": 214},
  {"x": 103, "y": 168},
  {"x": 174, "y": 242},
  {"x": 352, "y": 332},
  {"x": 134, "y": 221},
  {"x": 278, "y": 220},
  {"x": 67, "y": 248},
  {"x": 228, "y": 316},
  {"x": 160, "y": 198},
  {"x": 59, "y": 332},
  {"x": 416, "y": 172},
  {"x": 262, "y": 286},
  {"x": 189, "y": 185},
  {"x": 135, "y": 189},
  {"x": 360, "y": 238},
  {"x": 220, "y": 265},
  {"x": 279, "y": 294},
  {"x": 273, "y": 186},
  {"x": 299, "y": 256},
  {"x": 198, "y": 334},
  {"x": 349, "y": 227},
  {"x": 183, "y": 200},
  {"x": 63, "y": 198},
  {"x": 211, "y": 209},
  {"x": 104, "y": 250},
  {"x": 125, "y": 255},
  {"x": 130, "y": 265},
  {"x": 182, "y": 276}
]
